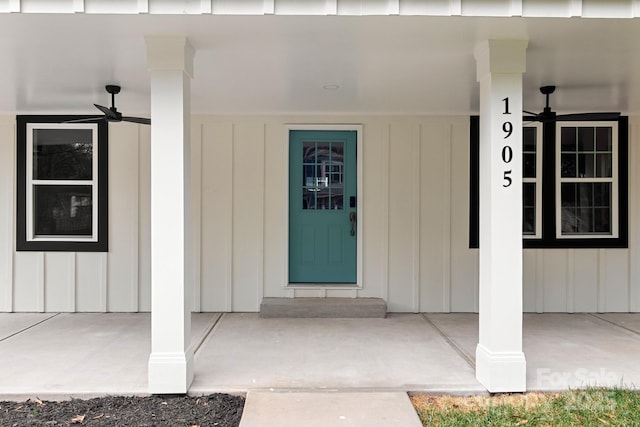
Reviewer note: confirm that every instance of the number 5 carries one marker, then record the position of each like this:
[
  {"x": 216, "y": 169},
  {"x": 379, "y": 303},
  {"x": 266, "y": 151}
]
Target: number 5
[{"x": 507, "y": 178}]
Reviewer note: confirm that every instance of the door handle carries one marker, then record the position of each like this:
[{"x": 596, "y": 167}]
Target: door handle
[{"x": 352, "y": 218}]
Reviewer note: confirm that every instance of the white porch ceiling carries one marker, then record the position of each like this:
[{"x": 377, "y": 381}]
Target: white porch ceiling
[{"x": 59, "y": 63}]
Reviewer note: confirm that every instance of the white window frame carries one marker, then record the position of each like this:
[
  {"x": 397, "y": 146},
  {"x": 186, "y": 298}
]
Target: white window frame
[
  {"x": 30, "y": 183},
  {"x": 615, "y": 227},
  {"x": 537, "y": 180}
]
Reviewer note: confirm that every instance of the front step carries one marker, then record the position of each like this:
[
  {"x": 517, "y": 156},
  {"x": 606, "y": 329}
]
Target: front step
[{"x": 323, "y": 307}]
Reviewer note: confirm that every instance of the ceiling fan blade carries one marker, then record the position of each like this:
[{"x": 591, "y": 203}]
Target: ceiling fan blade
[
  {"x": 107, "y": 112},
  {"x": 588, "y": 116},
  {"x": 85, "y": 120},
  {"x": 139, "y": 120}
]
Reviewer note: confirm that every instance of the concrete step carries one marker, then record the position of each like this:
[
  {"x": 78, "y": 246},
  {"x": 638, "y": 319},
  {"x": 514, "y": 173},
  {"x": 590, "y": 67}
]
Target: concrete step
[
  {"x": 323, "y": 307},
  {"x": 345, "y": 409}
]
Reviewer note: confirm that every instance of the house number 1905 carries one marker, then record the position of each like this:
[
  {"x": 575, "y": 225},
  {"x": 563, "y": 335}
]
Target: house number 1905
[{"x": 507, "y": 151}]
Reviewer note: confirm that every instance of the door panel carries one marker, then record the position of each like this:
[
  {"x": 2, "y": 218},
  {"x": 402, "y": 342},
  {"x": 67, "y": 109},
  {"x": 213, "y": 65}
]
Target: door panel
[{"x": 322, "y": 189}]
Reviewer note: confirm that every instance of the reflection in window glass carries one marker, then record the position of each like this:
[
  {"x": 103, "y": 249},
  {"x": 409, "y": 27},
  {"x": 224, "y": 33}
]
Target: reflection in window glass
[
  {"x": 62, "y": 154},
  {"x": 586, "y": 180},
  {"x": 530, "y": 180},
  {"x": 322, "y": 177},
  {"x": 529, "y": 208},
  {"x": 62, "y": 210},
  {"x": 586, "y": 208},
  {"x": 589, "y": 157}
]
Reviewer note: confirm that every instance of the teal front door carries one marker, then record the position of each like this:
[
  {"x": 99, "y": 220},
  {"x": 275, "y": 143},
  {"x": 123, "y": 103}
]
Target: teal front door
[{"x": 322, "y": 207}]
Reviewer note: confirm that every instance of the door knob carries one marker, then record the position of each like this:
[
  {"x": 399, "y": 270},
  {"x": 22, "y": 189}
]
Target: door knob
[{"x": 352, "y": 218}]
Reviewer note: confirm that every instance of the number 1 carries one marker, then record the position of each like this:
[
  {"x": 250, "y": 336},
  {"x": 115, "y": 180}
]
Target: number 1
[{"x": 506, "y": 106}]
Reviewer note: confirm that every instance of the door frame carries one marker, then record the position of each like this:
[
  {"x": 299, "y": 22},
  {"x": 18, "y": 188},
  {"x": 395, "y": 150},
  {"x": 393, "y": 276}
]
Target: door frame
[{"x": 359, "y": 204}]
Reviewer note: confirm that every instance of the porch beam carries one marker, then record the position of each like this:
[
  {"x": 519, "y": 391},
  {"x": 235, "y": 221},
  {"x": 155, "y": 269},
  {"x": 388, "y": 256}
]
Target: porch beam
[
  {"x": 500, "y": 362},
  {"x": 170, "y": 62}
]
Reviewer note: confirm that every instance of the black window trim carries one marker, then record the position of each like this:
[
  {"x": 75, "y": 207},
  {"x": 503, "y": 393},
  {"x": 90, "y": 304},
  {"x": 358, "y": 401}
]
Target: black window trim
[
  {"x": 549, "y": 239},
  {"x": 22, "y": 244}
]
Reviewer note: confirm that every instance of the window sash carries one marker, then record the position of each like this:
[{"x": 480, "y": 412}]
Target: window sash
[
  {"x": 588, "y": 180},
  {"x": 537, "y": 181},
  {"x": 31, "y": 183}
]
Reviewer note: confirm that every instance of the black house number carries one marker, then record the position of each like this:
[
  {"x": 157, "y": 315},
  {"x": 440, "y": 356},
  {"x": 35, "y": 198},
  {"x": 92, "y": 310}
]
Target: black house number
[{"x": 507, "y": 151}]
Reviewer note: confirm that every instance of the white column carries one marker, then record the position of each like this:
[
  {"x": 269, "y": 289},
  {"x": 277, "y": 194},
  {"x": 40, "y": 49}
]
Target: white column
[
  {"x": 170, "y": 61},
  {"x": 500, "y": 362}
]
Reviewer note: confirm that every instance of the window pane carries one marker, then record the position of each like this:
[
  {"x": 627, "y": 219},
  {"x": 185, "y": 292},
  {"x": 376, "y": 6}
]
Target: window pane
[
  {"x": 309, "y": 198},
  {"x": 586, "y": 208},
  {"x": 585, "y": 139},
  {"x": 337, "y": 199},
  {"x": 62, "y": 210},
  {"x": 62, "y": 154},
  {"x": 603, "y": 165},
  {"x": 529, "y": 208},
  {"x": 584, "y": 220},
  {"x": 529, "y": 139},
  {"x": 568, "y": 166},
  {"x": 602, "y": 194},
  {"x": 322, "y": 176},
  {"x": 603, "y": 139},
  {"x": 602, "y": 220},
  {"x": 585, "y": 165},
  {"x": 569, "y": 220},
  {"x": 568, "y": 139},
  {"x": 323, "y": 199},
  {"x": 584, "y": 194},
  {"x": 529, "y": 165},
  {"x": 529, "y": 194},
  {"x": 568, "y": 195},
  {"x": 529, "y": 221}
]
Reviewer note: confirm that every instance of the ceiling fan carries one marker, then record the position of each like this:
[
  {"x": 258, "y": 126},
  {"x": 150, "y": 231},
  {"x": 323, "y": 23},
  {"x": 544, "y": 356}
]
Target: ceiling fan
[
  {"x": 549, "y": 116},
  {"x": 111, "y": 114}
]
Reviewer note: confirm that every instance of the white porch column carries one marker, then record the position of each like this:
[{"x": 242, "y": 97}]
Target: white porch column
[
  {"x": 500, "y": 362},
  {"x": 170, "y": 61}
]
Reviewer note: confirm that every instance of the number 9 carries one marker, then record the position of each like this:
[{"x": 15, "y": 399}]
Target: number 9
[{"x": 507, "y": 127}]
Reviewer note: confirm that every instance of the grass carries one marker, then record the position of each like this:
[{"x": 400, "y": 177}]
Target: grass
[{"x": 591, "y": 407}]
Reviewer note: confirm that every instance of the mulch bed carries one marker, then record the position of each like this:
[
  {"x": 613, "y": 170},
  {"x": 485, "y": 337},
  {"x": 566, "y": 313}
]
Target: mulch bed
[{"x": 220, "y": 410}]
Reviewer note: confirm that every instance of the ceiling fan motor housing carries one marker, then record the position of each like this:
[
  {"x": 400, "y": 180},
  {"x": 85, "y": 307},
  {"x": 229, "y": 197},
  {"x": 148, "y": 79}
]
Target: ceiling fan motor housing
[{"x": 113, "y": 89}]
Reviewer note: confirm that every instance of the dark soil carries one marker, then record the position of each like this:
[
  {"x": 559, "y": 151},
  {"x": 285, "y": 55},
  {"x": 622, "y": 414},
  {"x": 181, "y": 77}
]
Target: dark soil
[{"x": 220, "y": 410}]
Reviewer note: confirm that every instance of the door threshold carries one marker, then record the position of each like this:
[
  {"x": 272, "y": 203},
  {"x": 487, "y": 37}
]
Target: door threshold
[{"x": 323, "y": 286}]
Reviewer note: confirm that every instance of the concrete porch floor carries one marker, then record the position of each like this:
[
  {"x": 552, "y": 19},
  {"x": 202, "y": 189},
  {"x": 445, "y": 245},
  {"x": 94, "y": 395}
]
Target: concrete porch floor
[{"x": 55, "y": 356}]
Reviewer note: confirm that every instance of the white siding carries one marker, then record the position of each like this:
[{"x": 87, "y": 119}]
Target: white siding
[
  {"x": 7, "y": 185},
  {"x": 83, "y": 282},
  {"x": 122, "y": 263},
  {"x": 527, "y": 8},
  {"x": 414, "y": 219},
  {"x": 415, "y": 222}
]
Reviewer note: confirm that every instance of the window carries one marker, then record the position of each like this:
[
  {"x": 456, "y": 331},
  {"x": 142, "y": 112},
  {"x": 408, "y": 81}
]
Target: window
[
  {"x": 586, "y": 184},
  {"x": 62, "y": 185},
  {"x": 574, "y": 184},
  {"x": 532, "y": 181}
]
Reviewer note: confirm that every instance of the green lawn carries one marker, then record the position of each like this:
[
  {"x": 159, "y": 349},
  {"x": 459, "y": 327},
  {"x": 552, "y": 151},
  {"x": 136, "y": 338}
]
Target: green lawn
[{"x": 592, "y": 407}]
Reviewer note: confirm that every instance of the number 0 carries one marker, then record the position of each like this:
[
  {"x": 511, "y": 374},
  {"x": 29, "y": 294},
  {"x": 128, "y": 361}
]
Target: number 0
[{"x": 507, "y": 154}]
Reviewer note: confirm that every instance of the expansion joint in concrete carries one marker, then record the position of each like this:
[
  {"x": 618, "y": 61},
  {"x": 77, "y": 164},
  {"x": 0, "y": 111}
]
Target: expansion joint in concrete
[{"x": 451, "y": 342}]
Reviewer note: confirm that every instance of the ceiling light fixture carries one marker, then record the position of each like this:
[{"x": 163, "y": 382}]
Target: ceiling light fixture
[{"x": 331, "y": 86}]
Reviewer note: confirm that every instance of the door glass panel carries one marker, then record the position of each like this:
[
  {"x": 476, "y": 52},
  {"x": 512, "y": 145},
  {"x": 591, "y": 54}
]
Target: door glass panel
[{"x": 322, "y": 177}]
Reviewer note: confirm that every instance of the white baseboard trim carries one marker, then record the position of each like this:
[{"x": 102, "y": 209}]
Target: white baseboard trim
[
  {"x": 170, "y": 373},
  {"x": 501, "y": 372}
]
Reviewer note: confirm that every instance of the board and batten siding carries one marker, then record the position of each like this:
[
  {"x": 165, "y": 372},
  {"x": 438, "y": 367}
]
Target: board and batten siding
[
  {"x": 415, "y": 220},
  {"x": 117, "y": 281}
]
